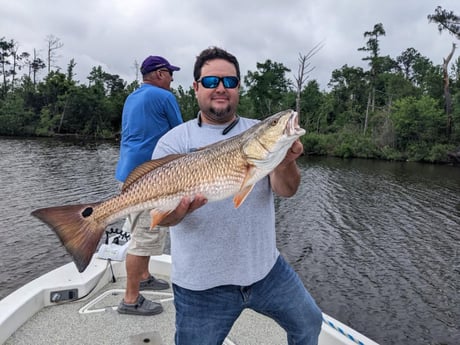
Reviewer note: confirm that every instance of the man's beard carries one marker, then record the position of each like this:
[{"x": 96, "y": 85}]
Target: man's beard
[{"x": 221, "y": 115}]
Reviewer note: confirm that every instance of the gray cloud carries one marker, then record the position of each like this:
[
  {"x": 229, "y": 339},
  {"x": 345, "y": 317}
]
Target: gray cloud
[{"x": 114, "y": 34}]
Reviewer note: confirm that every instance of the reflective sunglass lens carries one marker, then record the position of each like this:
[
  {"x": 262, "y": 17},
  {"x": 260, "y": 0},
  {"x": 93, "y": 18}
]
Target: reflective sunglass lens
[
  {"x": 230, "y": 82},
  {"x": 211, "y": 82}
]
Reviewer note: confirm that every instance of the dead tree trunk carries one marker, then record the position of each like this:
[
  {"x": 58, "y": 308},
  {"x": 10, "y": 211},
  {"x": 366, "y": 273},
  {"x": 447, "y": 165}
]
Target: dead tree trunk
[
  {"x": 302, "y": 76},
  {"x": 367, "y": 112},
  {"x": 447, "y": 96}
]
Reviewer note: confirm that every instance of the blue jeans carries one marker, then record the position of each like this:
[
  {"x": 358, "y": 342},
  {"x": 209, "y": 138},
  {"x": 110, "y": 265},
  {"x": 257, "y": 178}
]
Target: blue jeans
[{"x": 206, "y": 317}]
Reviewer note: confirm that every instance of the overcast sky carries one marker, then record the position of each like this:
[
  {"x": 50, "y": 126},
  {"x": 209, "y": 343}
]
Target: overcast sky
[{"x": 116, "y": 33}]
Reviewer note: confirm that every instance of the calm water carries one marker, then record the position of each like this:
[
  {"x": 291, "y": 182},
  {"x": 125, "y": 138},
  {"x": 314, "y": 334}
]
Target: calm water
[{"x": 376, "y": 243}]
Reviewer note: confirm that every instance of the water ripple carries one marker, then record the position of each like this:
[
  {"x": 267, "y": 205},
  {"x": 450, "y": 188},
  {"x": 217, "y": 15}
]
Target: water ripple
[{"x": 379, "y": 241}]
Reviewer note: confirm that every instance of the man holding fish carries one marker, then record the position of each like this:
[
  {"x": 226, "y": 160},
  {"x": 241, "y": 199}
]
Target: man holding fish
[
  {"x": 224, "y": 255},
  {"x": 225, "y": 258}
]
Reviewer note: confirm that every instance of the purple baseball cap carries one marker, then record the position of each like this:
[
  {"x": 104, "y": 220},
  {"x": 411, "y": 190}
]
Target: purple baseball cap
[{"x": 152, "y": 63}]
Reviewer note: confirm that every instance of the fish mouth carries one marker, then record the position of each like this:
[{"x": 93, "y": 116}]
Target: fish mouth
[{"x": 292, "y": 126}]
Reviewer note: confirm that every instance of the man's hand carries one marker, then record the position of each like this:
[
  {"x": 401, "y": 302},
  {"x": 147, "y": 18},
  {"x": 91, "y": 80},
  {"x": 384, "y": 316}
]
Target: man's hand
[
  {"x": 293, "y": 153},
  {"x": 285, "y": 179},
  {"x": 186, "y": 205}
]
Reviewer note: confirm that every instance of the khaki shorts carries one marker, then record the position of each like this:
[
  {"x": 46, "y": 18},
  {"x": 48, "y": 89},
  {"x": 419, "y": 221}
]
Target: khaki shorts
[{"x": 144, "y": 242}]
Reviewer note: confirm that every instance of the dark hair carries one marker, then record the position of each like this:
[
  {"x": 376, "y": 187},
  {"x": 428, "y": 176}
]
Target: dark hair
[{"x": 210, "y": 54}]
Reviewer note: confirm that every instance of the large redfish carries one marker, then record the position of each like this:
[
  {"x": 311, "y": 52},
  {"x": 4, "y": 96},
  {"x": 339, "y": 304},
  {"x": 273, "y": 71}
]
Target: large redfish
[{"x": 227, "y": 168}]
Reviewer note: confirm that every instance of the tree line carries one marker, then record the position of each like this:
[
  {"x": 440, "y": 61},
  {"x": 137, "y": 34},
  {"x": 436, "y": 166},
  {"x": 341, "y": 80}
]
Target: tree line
[{"x": 399, "y": 108}]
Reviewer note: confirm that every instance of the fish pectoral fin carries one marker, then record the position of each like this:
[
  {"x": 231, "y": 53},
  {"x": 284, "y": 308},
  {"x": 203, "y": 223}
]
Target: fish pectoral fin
[
  {"x": 241, "y": 195},
  {"x": 157, "y": 217},
  {"x": 245, "y": 188}
]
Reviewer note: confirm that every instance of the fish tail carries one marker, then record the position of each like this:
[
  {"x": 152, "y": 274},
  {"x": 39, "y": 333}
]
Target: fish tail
[{"x": 78, "y": 231}]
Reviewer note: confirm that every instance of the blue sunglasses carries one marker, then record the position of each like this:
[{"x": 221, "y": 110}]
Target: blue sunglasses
[{"x": 211, "y": 82}]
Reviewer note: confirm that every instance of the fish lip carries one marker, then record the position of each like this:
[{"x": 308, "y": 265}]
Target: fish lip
[{"x": 292, "y": 127}]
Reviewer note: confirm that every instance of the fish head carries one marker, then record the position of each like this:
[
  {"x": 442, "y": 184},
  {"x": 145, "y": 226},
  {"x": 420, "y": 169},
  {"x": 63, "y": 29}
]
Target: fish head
[{"x": 268, "y": 141}]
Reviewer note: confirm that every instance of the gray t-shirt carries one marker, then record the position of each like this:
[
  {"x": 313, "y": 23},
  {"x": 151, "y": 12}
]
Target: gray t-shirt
[{"x": 218, "y": 244}]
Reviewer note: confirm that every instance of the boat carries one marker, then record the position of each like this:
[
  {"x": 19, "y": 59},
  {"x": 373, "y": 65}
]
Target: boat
[{"x": 67, "y": 307}]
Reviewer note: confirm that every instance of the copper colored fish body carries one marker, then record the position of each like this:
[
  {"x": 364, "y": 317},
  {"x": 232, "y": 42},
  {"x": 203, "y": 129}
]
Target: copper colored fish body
[{"x": 228, "y": 168}]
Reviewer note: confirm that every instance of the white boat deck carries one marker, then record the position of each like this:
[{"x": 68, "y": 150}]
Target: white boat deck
[
  {"x": 28, "y": 316},
  {"x": 96, "y": 321}
]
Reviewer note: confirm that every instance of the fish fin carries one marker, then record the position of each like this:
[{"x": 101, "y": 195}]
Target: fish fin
[
  {"x": 245, "y": 189},
  {"x": 146, "y": 167},
  {"x": 78, "y": 232},
  {"x": 157, "y": 217},
  {"x": 239, "y": 198}
]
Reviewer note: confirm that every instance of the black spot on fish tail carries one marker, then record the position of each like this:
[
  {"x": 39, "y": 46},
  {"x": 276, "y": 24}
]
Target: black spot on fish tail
[
  {"x": 78, "y": 231},
  {"x": 87, "y": 212}
]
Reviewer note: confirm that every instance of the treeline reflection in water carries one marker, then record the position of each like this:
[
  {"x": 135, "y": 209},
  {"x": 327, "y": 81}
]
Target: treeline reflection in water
[{"x": 376, "y": 243}]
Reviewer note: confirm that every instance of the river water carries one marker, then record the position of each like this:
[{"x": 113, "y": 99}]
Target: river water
[{"x": 376, "y": 243}]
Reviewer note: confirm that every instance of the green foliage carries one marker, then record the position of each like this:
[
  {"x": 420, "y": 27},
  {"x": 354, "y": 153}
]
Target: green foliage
[
  {"x": 311, "y": 103},
  {"x": 15, "y": 119},
  {"x": 455, "y": 137},
  {"x": 349, "y": 144},
  {"x": 47, "y": 123},
  {"x": 390, "y": 153},
  {"x": 349, "y": 95},
  {"x": 246, "y": 107},
  {"x": 418, "y": 121},
  {"x": 438, "y": 153},
  {"x": 394, "y": 86},
  {"x": 315, "y": 144},
  {"x": 345, "y": 144},
  {"x": 446, "y": 20},
  {"x": 267, "y": 87},
  {"x": 392, "y": 109},
  {"x": 187, "y": 102}
]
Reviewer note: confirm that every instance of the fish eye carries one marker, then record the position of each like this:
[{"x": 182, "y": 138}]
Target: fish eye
[{"x": 274, "y": 122}]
